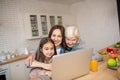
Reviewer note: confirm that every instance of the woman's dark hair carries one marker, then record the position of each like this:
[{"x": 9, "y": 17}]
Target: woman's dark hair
[
  {"x": 39, "y": 55},
  {"x": 62, "y": 30}
]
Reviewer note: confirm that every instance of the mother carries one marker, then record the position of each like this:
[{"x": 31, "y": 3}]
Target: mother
[{"x": 57, "y": 34}]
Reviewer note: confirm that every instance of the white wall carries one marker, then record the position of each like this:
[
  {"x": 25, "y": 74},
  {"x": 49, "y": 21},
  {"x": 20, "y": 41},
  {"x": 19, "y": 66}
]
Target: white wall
[
  {"x": 11, "y": 22},
  {"x": 96, "y": 19},
  {"x": 11, "y": 29},
  {"x": 98, "y": 22}
]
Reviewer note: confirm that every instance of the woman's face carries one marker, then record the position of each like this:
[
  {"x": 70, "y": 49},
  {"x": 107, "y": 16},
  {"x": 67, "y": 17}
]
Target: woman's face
[
  {"x": 57, "y": 37},
  {"x": 71, "y": 42},
  {"x": 48, "y": 50}
]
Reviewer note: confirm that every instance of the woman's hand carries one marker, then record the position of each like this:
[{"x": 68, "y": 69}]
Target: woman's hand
[{"x": 30, "y": 59}]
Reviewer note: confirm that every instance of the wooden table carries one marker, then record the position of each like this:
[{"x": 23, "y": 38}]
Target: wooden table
[{"x": 103, "y": 73}]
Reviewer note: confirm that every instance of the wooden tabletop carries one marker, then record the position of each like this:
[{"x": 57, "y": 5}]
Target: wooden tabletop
[{"x": 103, "y": 73}]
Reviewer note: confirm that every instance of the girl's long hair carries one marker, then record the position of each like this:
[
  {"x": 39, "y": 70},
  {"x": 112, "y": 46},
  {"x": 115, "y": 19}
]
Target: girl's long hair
[{"x": 39, "y": 54}]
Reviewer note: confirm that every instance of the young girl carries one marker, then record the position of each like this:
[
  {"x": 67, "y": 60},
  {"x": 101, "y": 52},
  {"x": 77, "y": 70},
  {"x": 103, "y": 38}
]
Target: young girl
[{"x": 44, "y": 54}]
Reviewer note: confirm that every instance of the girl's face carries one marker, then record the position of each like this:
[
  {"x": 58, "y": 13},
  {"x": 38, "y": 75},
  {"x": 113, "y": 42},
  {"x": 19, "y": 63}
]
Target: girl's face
[
  {"x": 71, "y": 42},
  {"x": 57, "y": 37},
  {"x": 48, "y": 50}
]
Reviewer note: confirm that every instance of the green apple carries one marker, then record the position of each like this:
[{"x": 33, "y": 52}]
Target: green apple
[
  {"x": 112, "y": 62},
  {"x": 117, "y": 60},
  {"x": 117, "y": 45}
]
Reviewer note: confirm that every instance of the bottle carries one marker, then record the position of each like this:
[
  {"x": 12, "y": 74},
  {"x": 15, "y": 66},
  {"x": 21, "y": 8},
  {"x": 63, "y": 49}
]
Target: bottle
[
  {"x": 94, "y": 65},
  {"x": 26, "y": 51}
]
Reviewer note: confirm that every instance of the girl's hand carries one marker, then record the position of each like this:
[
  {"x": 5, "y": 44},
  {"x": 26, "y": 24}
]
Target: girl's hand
[
  {"x": 40, "y": 64},
  {"x": 48, "y": 66}
]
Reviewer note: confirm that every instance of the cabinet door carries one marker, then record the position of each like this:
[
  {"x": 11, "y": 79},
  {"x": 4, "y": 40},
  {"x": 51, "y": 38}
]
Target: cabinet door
[
  {"x": 18, "y": 71},
  {"x": 52, "y": 21},
  {"x": 34, "y": 25},
  {"x": 44, "y": 24},
  {"x": 31, "y": 26},
  {"x": 59, "y": 20}
]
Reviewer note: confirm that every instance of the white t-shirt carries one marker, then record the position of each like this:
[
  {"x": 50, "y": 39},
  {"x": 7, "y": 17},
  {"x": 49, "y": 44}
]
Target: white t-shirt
[{"x": 58, "y": 51}]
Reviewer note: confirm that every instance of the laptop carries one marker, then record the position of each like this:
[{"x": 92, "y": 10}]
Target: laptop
[{"x": 72, "y": 65}]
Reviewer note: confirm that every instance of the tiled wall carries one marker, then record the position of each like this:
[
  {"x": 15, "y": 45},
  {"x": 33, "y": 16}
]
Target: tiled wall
[
  {"x": 12, "y": 29},
  {"x": 11, "y": 32},
  {"x": 11, "y": 22}
]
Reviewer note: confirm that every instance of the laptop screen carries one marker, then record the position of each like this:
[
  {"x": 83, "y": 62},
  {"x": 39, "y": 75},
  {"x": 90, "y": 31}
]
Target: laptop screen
[{"x": 69, "y": 66}]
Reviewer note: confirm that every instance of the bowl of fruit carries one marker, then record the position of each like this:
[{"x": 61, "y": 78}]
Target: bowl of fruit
[{"x": 113, "y": 61}]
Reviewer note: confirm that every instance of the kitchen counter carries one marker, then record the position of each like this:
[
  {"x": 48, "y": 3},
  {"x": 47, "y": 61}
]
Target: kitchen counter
[
  {"x": 17, "y": 58},
  {"x": 103, "y": 73}
]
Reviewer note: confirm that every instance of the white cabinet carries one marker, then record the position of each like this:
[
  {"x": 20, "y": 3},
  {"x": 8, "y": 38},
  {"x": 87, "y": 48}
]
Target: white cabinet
[
  {"x": 31, "y": 26},
  {"x": 38, "y": 25},
  {"x": 18, "y": 71}
]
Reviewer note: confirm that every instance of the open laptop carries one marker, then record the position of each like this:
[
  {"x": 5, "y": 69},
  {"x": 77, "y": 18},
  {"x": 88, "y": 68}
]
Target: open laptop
[{"x": 72, "y": 65}]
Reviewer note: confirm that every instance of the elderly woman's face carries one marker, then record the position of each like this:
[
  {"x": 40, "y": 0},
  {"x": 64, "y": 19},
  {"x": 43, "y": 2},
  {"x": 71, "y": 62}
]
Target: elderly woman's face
[{"x": 71, "y": 42}]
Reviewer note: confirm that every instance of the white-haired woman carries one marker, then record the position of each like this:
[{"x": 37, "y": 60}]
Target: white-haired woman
[{"x": 74, "y": 42}]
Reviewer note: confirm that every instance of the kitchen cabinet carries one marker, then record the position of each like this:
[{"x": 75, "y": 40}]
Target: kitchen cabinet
[
  {"x": 34, "y": 25},
  {"x": 18, "y": 70},
  {"x": 44, "y": 24},
  {"x": 38, "y": 25}
]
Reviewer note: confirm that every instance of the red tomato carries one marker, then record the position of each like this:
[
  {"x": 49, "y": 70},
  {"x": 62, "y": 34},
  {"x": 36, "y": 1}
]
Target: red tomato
[
  {"x": 113, "y": 55},
  {"x": 109, "y": 49}
]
